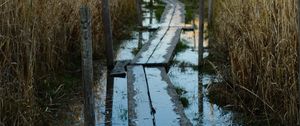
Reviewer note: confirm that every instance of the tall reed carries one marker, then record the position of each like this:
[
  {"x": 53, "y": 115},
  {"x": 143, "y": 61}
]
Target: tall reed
[
  {"x": 42, "y": 37},
  {"x": 260, "y": 38}
]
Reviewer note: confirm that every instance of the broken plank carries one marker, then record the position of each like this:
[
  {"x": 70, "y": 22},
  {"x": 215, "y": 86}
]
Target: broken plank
[
  {"x": 139, "y": 106},
  {"x": 168, "y": 109},
  {"x": 119, "y": 69}
]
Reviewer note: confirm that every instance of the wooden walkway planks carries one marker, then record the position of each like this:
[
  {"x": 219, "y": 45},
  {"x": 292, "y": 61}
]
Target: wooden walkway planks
[
  {"x": 139, "y": 109},
  {"x": 152, "y": 99},
  {"x": 159, "y": 49},
  {"x": 165, "y": 101},
  {"x": 143, "y": 55},
  {"x": 119, "y": 69},
  {"x": 165, "y": 50}
]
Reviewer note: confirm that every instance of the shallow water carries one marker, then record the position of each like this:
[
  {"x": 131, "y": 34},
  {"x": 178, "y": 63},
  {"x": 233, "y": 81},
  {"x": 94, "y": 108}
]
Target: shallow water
[
  {"x": 199, "y": 111},
  {"x": 187, "y": 78}
]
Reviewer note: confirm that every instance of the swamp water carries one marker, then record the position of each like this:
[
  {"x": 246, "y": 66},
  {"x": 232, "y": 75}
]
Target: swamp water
[{"x": 183, "y": 73}]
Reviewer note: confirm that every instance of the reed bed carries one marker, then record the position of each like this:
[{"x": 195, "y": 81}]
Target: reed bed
[
  {"x": 260, "y": 40},
  {"x": 39, "y": 38}
]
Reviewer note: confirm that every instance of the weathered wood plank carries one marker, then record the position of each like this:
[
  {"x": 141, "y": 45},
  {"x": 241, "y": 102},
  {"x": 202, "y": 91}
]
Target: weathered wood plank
[
  {"x": 139, "y": 106},
  {"x": 178, "y": 17},
  {"x": 145, "y": 53},
  {"x": 159, "y": 49},
  {"x": 164, "y": 52},
  {"x": 119, "y": 69},
  {"x": 165, "y": 101}
]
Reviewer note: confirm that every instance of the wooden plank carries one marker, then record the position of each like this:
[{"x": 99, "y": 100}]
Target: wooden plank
[
  {"x": 188, "y": 28},
  {"x": 145, "y": 53},
  {"x": 165, "y": 101},
  {"x": 87, "y": 66},
  {"x": 119, "y": 69},
  {"x": 178, "y": 17},
  {"x": 159, "y": 49},
  {"x": 139, "y": 106},
  {"x": 164, "y": 51}
]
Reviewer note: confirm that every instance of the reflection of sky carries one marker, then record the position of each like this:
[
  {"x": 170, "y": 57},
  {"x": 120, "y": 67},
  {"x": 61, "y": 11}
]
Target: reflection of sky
[
  {"x": 100, "y": 101},
  {"x": 120, "y": 104},
  {"x": 187, "y": 78}
]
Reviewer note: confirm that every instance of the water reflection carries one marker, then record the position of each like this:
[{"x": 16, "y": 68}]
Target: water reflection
[
  {"x": 109, "y": 98},
  {"x": 182, "y": 74},
  {"x": 200, "y": 111}
]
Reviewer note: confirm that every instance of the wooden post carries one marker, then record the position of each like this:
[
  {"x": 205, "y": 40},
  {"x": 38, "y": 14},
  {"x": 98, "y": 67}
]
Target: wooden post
[
  {"x": 140, "y": 22},
  {"x": 298, "y": 16},
  {"x": 210, "y": 22},
  {"x": 201, "y": 33},
  {"x": 139, "y": 12},
  {"x": 87, "y": 66},
  {"x": 200, "y": 55},
  {"x": 151, "y": 3},
  {"x": 107, "y": 34},
  {"x": 210, "y": 13}
]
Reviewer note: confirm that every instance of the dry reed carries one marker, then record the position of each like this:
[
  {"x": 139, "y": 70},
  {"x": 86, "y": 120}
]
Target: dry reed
[
  {"x": 39, "y": 38},
  {"x": 260, "y": 38}
]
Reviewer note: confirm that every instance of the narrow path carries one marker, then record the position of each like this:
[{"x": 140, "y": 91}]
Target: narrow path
[
  {"x": 152, "y": 99},
  {"x": 159, "y": 50}
]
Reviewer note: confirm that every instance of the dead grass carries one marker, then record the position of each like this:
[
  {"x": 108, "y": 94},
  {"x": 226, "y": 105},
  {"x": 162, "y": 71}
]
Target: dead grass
[
  {"x": 260, "y": 38},
  {"x": 39, "y": 38}
]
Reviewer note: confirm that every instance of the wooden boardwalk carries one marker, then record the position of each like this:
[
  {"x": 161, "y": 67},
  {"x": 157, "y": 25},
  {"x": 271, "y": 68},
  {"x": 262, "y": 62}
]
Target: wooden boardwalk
[
  {"x": 159, "y": 50},
  {"x": 152, "y": 99}
]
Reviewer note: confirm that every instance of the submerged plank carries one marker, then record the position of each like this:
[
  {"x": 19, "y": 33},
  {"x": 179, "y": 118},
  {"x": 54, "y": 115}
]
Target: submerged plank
[
  {"x": 165, "y": 101},
  {"x": 139, "y": 107}
]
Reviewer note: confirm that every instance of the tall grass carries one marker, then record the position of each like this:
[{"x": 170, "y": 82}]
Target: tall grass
[
  {"x": 260, "y": 38},
  {"x": 39, "y": 38}
]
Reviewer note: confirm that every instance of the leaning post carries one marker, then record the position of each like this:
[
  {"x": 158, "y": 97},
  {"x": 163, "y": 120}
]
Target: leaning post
[
  {"x": 87, "y": 65},
  {"x": 107, "y": 34}
]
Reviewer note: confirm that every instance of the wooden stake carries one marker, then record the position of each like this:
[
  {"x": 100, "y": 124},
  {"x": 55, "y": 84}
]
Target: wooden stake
[
  {"x": 107, "y": 34},
  {"x": 299, "y": 59},
  {"x": 200, "y": 54},
  {"x": 210, "y": 13},
  {"x": 210, "y": 22},
  {"x": 201, "y": 33},
  {"x": 140, "y": 22},
  {"x": 87, "y": 66},
  {"x": 151, "y": 3}
]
